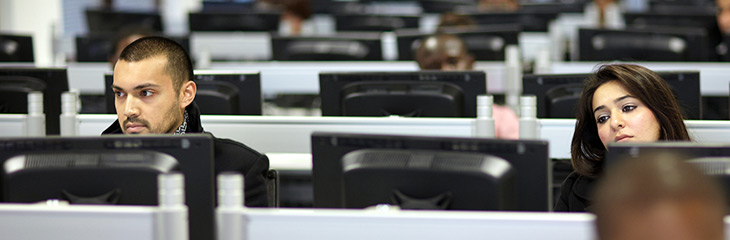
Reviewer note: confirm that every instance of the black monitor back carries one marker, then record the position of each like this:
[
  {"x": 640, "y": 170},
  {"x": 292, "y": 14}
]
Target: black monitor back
[
  {"x": 485, "y": 43},
  {"x": 442, "y": 6},
  {"x": 362, "y": 46},
  {"x": 219, "y": 92},
  {"x": 14, "y": 92},
  {"x": 427, "y": 93},
  {"x": 87, "y": 177},
  {"x": 16, "y": 48},
  {"x": 529, "y": 160},
  {"x": 424, "y": 179},
  {"x": 56, "y": 82},
  {"x": 657, "y": 44},
  {"x": 104, "y": 20},
  {"x": 530, "y": 21},
  {"x": 369, "y": 22},
  {"x": 97, "y": 47},
  {"x": 194, "y": 153},
  {"x": 558, "y": 94},
  {"x": 233, "y": 21}
]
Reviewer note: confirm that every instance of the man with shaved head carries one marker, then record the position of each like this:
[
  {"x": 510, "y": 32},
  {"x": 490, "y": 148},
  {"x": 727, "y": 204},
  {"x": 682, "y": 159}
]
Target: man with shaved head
[
  {"x": 658, "y": 196},
  {"x": 154, "y": 94}
]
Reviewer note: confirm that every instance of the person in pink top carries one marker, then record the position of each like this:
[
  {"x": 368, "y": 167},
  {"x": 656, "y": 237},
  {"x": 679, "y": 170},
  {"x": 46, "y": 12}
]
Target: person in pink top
[{"x": 448, "y": 52}]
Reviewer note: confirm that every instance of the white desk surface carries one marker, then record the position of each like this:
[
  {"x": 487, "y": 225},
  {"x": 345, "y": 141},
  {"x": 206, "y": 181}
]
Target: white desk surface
[
  {"x": 289, "y": 134},
  {"x": 78, "y": 222},
  {"x": 398, "y": 225}
]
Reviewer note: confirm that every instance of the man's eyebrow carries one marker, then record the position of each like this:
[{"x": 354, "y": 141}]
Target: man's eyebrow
[
  {"x": 141, "y": 86},
  {"x": 145, "y": 85}
]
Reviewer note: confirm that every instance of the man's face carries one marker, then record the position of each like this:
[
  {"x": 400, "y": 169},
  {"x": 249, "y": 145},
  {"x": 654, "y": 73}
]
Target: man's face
[{"x": 145, "y": 99}]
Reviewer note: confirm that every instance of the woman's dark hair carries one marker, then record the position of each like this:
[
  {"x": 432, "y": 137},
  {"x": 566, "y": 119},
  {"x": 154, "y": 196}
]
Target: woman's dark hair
[{"x": 587, "y": 150}]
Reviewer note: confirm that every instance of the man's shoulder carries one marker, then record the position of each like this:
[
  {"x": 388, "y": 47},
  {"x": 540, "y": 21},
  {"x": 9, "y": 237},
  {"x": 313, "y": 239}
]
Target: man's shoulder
[{"x": 235, "y": 147}]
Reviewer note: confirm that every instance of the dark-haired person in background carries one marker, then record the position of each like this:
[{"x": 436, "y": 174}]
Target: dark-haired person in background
[
  {"x": 619, "y": 103},
  {"x": 659, "y": 196},
  {"x": 124, "y": 37},
  {"x": 448, "y": 52},
  {"x": 154, "y": 94}
]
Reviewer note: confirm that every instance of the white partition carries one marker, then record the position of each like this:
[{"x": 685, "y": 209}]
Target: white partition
[
  {"x": 289, "y": 134},
  {"x": 88, "y": 78},
  {"x": 12, "y": 125},
  {"x": 714, "y": 80},
  {"x": 77, "y": 222},
  {"x": 286, "y": 224}
]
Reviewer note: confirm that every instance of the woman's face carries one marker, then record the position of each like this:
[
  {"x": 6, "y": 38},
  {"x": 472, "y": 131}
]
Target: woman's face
[{"x": 621, "y": 117}]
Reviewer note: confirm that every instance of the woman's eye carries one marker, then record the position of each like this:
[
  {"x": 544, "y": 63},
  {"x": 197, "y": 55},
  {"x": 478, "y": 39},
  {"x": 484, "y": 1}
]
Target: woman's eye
[
  {"x": 628, "y": 108},
  {"x": 602, "y": 119}
]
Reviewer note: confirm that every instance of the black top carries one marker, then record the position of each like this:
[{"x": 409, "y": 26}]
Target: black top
[
  {"x": 575, "y": 194},
  {"x": 229, "y": 156}
]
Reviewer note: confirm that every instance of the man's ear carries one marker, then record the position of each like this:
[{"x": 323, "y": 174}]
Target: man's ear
[{"x": 187, "y": 95}]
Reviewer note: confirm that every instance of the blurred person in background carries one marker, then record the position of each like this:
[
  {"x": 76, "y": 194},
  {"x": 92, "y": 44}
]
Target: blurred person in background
[
  {"x": 449, "y": 53},
  {"x": 659, "y": 196}
]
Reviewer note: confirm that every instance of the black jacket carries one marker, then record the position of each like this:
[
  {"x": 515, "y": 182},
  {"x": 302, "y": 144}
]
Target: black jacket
[
  {"x": 229, "y": 156},
  {"x": 575, "y": 194}
]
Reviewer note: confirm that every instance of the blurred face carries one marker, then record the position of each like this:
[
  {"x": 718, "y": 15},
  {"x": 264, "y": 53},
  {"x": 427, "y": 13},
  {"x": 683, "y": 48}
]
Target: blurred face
[
  {"x": 145, "y": 99},
  {"x": 621, "y": 117},
  {"x": 688, "y": 220},
  {"x": 120, "y": 46},
  {"x": 723, "y": 15}
]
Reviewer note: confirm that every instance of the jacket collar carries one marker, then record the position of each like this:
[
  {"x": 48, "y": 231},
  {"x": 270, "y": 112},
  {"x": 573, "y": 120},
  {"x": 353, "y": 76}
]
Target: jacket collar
[{"x": 194, "y": 125}]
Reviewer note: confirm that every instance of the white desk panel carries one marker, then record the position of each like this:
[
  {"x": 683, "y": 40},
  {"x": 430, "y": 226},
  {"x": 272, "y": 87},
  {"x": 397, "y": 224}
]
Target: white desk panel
[
  {"x": 289, "y": 134},
  {"x": 78, "y": 222},
  {"x": 12, "y": 125},
  {"x": 288, "y": 224}
]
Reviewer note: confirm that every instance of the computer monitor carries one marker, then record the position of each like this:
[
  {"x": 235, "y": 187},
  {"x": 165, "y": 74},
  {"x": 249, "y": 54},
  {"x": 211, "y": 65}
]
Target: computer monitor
[
  {"x": 412, "y": 94},
  {"x": 370, "y": 22},
  {"x": 485, "y": 43},
  {"x": 233, "y": 21},
  {"x": 704, "y": 18},
  {"x": 442, "y": 6},
  {"x": 352, "y": 46},
  {"x": 51, "y": 81},
  {"x": 16, "y": 48},
  {"x": 530, "y": 21},
  {"x": 22, "y": 181},
  {"x": 222, "y": 6},
  {"x": 655, "y": 44},
  {"x": 219, "y": 92},
  {"x": 105, "y": 20},
  {"x": 427, "y": 180},
  {"x": 558, "y": 94},
  {"x": 527, "y": 159},
  {"x": 97, "y": 47}
]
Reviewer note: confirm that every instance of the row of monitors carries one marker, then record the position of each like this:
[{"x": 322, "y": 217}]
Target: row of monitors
[
  {"x": 530, "y": 19},
  {"x": 486, "y": 43},
  {"x": 349, "y": 171},
  {"x": 414, "y": 94}
]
